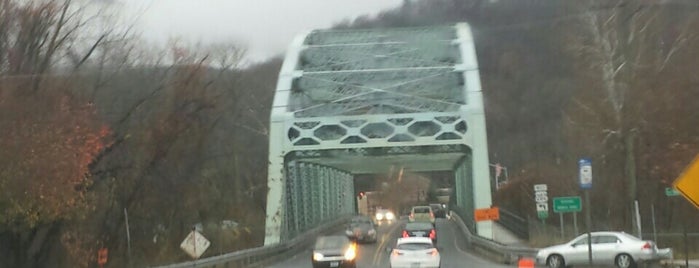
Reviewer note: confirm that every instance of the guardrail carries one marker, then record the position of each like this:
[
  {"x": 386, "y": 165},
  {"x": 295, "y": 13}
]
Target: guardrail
[
  {"x": 260, "y": 256},
  {"x": 516, "y": 224},
  {"x": 500, "y": 252}
]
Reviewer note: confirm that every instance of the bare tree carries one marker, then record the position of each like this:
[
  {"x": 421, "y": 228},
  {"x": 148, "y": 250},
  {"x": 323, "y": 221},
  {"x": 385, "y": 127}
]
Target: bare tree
[{"x": 621, "y": 51}]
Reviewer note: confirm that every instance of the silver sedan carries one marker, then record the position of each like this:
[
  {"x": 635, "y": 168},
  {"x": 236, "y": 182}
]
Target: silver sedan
[{"x": 608, "y": 248}]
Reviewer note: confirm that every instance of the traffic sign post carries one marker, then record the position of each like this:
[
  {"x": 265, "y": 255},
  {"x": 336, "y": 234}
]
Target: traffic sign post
[
  {"x": 688, "y": 182},
  {"x": 567, "y": 204},
  {"x": 688, "y": 186},
  {"x": 585, "y": 179},
  {"x": 585, "y": 175},
  {"x": 542, "y": 201},
  {"x": 195, "y": 244}
]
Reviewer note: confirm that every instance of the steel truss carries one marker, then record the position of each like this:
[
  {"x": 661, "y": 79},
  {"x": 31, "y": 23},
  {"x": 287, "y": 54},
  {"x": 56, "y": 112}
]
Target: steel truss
[{"x": 353, "y": 101}]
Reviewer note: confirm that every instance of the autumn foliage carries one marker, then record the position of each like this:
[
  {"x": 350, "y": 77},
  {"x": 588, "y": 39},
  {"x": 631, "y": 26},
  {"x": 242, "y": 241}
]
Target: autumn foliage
[{"x": 48, "y": 142}]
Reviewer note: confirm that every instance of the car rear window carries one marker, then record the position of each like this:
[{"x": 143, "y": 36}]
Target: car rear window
[
  {"x": 361, "y": 221},
  {"x": 421, "y": 210},
  {"x": 414, "y": 246},
  {"x": 418, "y": 226}
]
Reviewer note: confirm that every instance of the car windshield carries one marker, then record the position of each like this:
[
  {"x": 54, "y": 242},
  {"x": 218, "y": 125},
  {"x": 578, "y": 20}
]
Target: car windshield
[
  {"x": 331, "y": 242},
  {"x": 414, "y": 246}
]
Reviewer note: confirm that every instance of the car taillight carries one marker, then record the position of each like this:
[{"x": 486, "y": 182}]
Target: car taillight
[
  {"x": 397, "y": 253},
  {"x": 412, "y": 215},
  {"x": 433, "y": 252},
  {"x": 433, "y": 234},
  {"x": 431, "y": 215},
  {"x": 646, "y": 246},
  {"x": 405, "y": 233}
]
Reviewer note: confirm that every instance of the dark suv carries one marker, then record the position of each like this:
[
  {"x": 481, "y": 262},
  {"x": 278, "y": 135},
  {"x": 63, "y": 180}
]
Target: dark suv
[{"x": 438, "y": 210}]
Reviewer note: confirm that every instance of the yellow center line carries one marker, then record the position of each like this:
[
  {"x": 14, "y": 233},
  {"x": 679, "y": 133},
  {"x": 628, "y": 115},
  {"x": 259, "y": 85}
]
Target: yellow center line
[{"x": 380, "y": 247}]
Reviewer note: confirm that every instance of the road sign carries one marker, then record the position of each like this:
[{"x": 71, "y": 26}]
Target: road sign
[
  {"x": 585, "y": 175},
  {"x": 195, "y": 244},
  {"x": 567, "y": 204},
  {"x": 542, "y": 200},
  {"x": 669, "y": 191},
  {"x": 540, "y": 187},
  {"x": 688, "y": 182},
  {"x": 487, "y": 214}
]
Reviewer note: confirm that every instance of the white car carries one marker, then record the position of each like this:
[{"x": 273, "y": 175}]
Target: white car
[
  {"x": 608, "y": 248},
  {"x": 415, "y": 252}
]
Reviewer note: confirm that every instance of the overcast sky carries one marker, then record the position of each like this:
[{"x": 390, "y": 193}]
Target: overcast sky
[{"x": 264, "y": 27}]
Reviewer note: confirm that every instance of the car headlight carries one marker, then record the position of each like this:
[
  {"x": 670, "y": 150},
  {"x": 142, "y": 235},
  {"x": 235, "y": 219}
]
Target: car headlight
[
  {"x": 350, "y": 254},
  {"x": 348, "y": 232},
  {"x": 317, "y": 256},
  {"x": 390, "y": 216},
  {"x": 379, "y": 216},
  {"x": 372, "y": 232}
]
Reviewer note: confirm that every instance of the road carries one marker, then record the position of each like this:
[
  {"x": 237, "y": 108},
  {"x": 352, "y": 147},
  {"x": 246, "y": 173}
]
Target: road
[{"x": 449, "y": 239}]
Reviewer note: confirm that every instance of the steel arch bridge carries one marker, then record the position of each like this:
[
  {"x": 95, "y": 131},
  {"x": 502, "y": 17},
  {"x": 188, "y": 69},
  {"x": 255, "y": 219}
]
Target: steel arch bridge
[{"x": 352, "y": 102}]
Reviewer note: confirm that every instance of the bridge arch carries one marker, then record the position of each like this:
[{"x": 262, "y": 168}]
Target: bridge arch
[{"x": 352, "y": 102}]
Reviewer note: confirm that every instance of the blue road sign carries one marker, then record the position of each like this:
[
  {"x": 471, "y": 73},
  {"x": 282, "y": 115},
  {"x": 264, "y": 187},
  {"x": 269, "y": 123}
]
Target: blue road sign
[{"x": 585, "y": 175}]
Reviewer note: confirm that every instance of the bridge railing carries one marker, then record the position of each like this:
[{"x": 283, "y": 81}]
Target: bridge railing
[
  {"x": 516, "y": 224},
  {"x": 262, "y": 256},
  {"x": 497, "y": 251}
]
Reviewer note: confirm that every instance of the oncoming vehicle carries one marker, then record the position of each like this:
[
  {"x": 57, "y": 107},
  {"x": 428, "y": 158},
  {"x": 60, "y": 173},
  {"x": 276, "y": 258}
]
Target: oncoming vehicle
[
  {"x": 415, "y": 252},
  {"x": 608, "y": 248},
  {"x": 334, "y": 251},
  {"x": 384, "y": 215},
  {"x": 421, "y": 213},
  {"x": 362, "y": 229}
]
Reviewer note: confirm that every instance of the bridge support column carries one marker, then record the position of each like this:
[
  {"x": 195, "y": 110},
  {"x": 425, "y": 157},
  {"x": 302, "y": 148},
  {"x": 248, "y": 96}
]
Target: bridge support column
[
  {"x": 275, "y": 184},
  {"x": 481, "y": 174}
]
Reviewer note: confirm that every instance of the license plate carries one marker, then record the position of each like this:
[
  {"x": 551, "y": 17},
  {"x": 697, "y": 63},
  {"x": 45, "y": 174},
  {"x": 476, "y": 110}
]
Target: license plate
[
  {"x": 419, "y": 233},
  {"x": 335, "y": 264}
]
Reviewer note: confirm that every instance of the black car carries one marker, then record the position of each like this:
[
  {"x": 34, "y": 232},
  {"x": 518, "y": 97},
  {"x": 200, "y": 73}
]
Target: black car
[
  {"x": 334, "y": 251},
  {"x": 420, "y": 229},
  {"x": 361, "y": 229},
  {"x": 438, "y": 210}
]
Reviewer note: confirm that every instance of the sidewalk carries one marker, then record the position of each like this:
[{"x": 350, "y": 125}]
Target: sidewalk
[{"x": 680, "y": 263}]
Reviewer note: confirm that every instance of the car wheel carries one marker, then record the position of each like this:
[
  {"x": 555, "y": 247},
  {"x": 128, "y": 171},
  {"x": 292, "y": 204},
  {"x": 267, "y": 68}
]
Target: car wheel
[
  {"x": 624, "y": 261},
  {"x": 555, "y": 261}
]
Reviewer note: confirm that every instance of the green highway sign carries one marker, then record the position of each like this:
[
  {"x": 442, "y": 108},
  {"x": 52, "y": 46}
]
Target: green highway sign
[
  {"x": 542, "y": 214},
  {"x": 669, "y": 191},
  {"x": 567, "y": 204}
]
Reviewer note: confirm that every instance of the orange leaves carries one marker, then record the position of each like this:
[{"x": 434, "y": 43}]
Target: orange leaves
[{"x": 49, "y": 142}]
